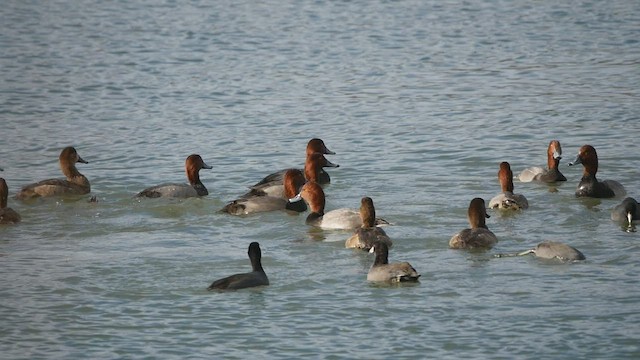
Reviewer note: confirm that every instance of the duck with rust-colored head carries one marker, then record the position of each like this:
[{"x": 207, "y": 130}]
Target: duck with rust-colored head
[
  {"x": 478, "y": 236},
  {"x": 344, "y": 218},
  {"x": 313, "y": 146},
  {"x": 507, "y": 200},
  {"x": 590, "y": 186},
  {"x": 550, "y": 175},
  {"x": 74, "y": 184},
  {"x": 293, "y": 180},
  {"x": 195, "y": 188}
]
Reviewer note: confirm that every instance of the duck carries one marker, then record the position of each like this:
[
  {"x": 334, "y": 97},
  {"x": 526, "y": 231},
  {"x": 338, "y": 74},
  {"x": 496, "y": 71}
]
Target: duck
[
  {"x": 7, "y": 214},
  {"x": 74, "y": 184},
  {"x": 555, "y": 250},
  {"x": 312, "y": 172},
  {"x": 195, "y": 188},
  {"x": 339, "y": 219},
  {"x": 366, "y": 235},
  {"x": 589, "y": 186},
  {"x": 478, "y": 236},
  {"x": 550, "y": 175},
  {"x": 507, "y": 200},
  {"x": 257, "y": 276},
  {"x": 314, "y": 145},
  {"x": 382, "y": 271},
  {"x": 293, "y": 181},
  {"x": 628, "y": 211}
]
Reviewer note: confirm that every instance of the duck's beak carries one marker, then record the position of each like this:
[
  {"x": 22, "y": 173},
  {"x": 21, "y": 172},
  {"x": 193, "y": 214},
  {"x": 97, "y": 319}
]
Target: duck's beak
[
  {"x": 577, "y": 161},
  {"x": 81, "y": 160},
  {"x": 296, "y": 198}
]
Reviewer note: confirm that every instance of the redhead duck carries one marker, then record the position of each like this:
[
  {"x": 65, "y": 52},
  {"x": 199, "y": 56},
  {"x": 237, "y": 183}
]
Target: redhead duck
[
  {"x": 589, "y": 186},
  {"x": 550, "y": 175},
  {"x": 312, "y": 172},
  {"x": 74, "y": 184},
  {"x": 507, "y": 200},
  {"x": 381, "y": 270},
  {"x": 478, "y": 236},
  {"x": 293, "y": 181},
  {"x": 257, "y": 277},
  {"x": 193, "y": 164},
  {"x": 347, "y": 219},
  {"x": 366, "y": 235},
  {"x": 626, "y": 212},
  {"x": 554, "y": 250},
  {"x": 313, "y": 146},
  {"x": 7, "y": 214}
]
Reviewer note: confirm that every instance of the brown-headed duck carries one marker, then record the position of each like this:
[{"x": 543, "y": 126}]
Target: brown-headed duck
[
  {"x": 550, "y": 175},
  {"x": 382, "y": 271},
  {"x": 257, "y": 277},
  {"x": 366, "y": 235},
  {"x": 7, "y": 214},
  {"x": 293, "y": 180},
  {"x": 589, "y": 186},
  {"x": 313, "y": 146},
  {"x": 507, "y": 200},
  {"x": 312, "y": 172},
  {"x": 74, "y": 184},
  {"x": 478, "y": 236},
  {"x": 195, "y": 188},
  {"x": 347, "y": 219}
]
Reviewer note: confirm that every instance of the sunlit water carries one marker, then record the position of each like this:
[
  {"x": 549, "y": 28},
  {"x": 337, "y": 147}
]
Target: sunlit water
[{"x": 420, "y": 100}]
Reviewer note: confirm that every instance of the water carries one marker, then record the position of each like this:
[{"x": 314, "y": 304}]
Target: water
[{"x": 420, "y": 100}]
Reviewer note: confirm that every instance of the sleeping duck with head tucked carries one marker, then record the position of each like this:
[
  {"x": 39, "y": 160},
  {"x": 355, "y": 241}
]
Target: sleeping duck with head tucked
[{"x": 74, "y": 184}]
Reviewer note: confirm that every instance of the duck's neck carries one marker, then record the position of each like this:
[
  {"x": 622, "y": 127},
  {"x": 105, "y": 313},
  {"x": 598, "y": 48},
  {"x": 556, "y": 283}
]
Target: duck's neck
[
  {"x": 73, "y": 175},
  {"x": 382, "y": 258},
  {"x": 314, "y": 218}
]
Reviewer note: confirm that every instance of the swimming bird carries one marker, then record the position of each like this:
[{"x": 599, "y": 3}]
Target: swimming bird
[
  {"x": 478, "y": 236},
  {"x": 74, "y": 184},
  {"x": 344, "y": 218},
  {"x": 628, "y": 211},
  {"x": 257, "y": 277},
  {"x": 382, "y": 270},
  {"x": 551, "y": 250},
  {"x": 507, "y": 199},
  {"x": 193, "y": 164},
  {"x": 589, "y": 186},
  {"x": 366, "y": 235},
  {"x": 312, "y": 172},
  {"x": 7, "y": 214},
  {"x": 550, "y": 175},
  {"x": 293, "y": 181},
  {"x": 314, "y": 145}
]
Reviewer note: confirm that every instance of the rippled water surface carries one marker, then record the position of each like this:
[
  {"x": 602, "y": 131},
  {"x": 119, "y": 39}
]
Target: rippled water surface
[{"x": 420, "y": 100}]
